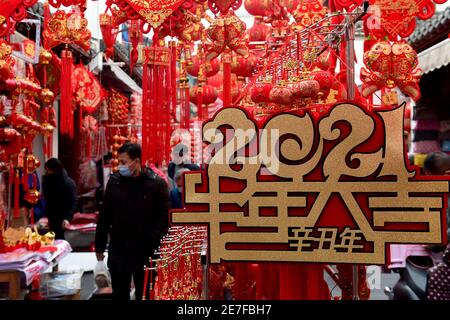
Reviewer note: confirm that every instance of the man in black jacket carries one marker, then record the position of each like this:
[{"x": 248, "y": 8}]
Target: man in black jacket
[
  {"x": 60, "y": 195},
  {"x": 135, "y": 215}
]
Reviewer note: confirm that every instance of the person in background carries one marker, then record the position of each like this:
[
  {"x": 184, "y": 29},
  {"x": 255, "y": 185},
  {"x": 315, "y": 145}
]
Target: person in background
[
  {"x": 176, "y": 194},
  {"x": 60, "y": 195},
  {"x": 438, "y": 164},
  {"x": 180, "y": 161},
  {"x": 135, "y": 216}
]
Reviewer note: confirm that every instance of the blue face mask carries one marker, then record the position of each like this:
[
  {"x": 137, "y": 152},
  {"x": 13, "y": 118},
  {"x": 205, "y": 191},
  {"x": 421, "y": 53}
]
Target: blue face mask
[{"x": 124, "y": 170}]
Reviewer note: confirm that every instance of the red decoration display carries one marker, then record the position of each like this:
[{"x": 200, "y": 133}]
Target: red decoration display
[
  {"x": 391, "y": 65},
  {"x": 397, "y": 17},
  {"x": 86, "y": 88},
  {"x": 14, "y": 10},
  {"x": 223, "y": 6},
  {"x": 109, "y": 33},
  {"x": 226, "y": 31}
]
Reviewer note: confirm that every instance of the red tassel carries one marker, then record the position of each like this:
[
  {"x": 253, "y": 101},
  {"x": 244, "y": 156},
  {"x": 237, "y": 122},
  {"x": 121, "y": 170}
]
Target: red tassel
[
  {"x": 227, "y": 79},
  {"x": 66, "y": 111},
  {"x": 16, "y": 194},
  {"x": 155, "y": 102}
]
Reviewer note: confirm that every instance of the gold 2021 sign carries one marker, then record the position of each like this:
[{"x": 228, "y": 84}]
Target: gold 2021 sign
[{"x": 334, "y": 188}]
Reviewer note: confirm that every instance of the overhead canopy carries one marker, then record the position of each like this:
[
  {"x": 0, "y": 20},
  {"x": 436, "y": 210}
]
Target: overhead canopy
[
  {"x": 126, "y": 83},
  {"x": 435, "y": 57}
]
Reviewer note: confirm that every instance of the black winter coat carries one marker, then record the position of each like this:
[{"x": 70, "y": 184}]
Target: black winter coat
[
  {"x": 60, "y": 195},
  {"x": 135, "y": 215}
]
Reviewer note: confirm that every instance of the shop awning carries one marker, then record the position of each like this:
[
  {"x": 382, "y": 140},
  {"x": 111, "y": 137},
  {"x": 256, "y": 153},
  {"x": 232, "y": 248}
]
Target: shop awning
[
  {"x": 124, "y": 77},
  {"x": 435, "y": 57}
]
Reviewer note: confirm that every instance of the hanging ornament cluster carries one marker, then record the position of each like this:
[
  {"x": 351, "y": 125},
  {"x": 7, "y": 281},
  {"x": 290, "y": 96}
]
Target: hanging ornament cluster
[
  {"x": 118, "y": 107},
  {"x": 397, "y": 18},
  {"x": 391, "y": 65},
  {"x": 66, "y": 28},
  {"x": 178, "y": 269},
  {"x": 117, "y": 142},
  {"x": 226, "y": 31}
]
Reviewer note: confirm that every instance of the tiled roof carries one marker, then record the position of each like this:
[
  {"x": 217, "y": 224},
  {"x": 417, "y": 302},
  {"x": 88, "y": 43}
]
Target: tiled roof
[{"x": 431, "y": 31}]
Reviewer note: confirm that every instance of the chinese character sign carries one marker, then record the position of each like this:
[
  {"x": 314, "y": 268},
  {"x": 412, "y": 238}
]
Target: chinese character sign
[{"x": 332, "y": 188}]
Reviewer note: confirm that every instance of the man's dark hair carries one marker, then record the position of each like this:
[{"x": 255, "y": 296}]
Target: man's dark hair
[
  {"x": 54, "y": 164},
  {"x": 436, "y": 163},
  {"x": 133, "y": 150}
]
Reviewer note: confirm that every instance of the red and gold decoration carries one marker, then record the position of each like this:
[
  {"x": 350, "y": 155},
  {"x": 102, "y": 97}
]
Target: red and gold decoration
[
  {"x": 157, "y": 102},
  {"x": 226, "y": 31},
  {"x": 109, "y": 33},
  {"x": 391, "y": 65},
  {"x": 11, "y": 12},
  {"x": 66, "y": 28},
  {"x": 223, "y": 6},
  {"x": 398, "y": 17},
  {"x": 87, "y": 90},
  {"x": 118, "y": 107}
]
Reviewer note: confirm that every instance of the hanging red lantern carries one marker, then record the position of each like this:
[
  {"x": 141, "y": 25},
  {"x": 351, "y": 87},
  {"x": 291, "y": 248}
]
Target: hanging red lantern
[
  {"x": 281, "y": 94},
  {"x": 259, "y": 8},
  {"x": 209, "y": 67},
  {"x": 307, "y": 88},
  {"x": 290, "y": 5},
  {"x": 259, "y": 31},
  {"x": 209, "y": 94},
  {"x": 260, "y": 93},
  {"x": 244, "y": 67},
  {"x": 325, "y": 80}
]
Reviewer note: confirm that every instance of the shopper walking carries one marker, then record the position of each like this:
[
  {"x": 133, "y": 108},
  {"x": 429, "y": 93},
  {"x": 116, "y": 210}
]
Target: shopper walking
[
  {"x": 180, "y": 161},
  {"x": 60, "y": 195},
  {"x": 135, "y": 216},
  {"x": 176, "y": 194}
]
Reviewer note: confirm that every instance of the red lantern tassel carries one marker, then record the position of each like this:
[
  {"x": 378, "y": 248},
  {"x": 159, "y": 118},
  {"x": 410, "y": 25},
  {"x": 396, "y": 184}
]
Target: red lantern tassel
[
  {"x": 16, "y": 194},
  {"x": 227, "y": 79},
  {"x": 66, "y": 117},
  {"x": 187, "y": 107}
]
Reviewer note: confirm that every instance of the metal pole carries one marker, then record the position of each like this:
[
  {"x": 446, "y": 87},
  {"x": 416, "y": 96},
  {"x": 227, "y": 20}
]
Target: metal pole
[
  {"x": 350, "y": 61},
  {"x": 205, "y": 264}
]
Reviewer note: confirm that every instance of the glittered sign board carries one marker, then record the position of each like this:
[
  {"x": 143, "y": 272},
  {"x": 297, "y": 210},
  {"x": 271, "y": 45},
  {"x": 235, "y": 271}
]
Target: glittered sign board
[{"x": 332, "y": 188}]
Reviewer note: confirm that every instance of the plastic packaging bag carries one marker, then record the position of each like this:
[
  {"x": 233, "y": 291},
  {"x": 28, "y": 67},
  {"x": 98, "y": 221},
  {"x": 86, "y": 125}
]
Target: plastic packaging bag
[{"x": 102, "y": 277}]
